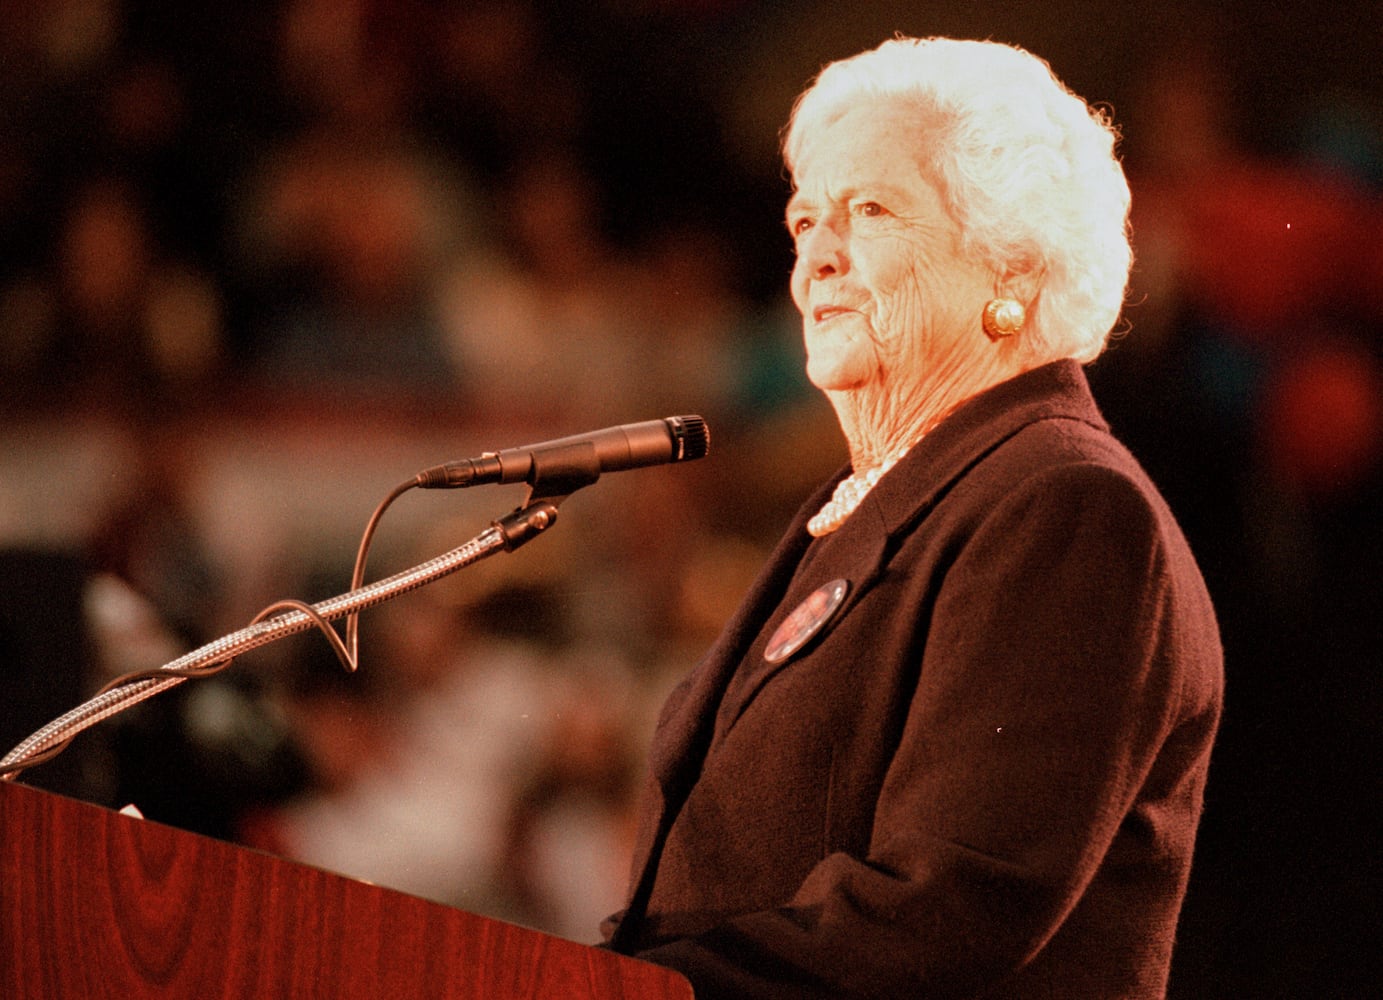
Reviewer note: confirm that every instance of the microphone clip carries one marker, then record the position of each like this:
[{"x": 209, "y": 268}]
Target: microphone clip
[
  {"x": 525, "y": 523},
  {"x": 558, "y": 472}
]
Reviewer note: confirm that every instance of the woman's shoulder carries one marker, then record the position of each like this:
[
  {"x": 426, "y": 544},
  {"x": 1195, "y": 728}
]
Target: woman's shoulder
[{"x": 1067, "y": 465}]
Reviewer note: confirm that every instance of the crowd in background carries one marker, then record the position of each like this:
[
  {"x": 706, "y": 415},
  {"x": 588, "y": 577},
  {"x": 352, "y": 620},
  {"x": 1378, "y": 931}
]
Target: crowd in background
[{"x": 259, "y": 264}]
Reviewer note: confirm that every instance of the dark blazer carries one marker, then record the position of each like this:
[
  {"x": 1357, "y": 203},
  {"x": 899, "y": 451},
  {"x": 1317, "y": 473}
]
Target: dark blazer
[{"x": 983, "y": 777}]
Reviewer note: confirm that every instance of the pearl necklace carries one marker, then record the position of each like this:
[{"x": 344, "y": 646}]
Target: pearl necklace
[{"x": 849, "y": 494}]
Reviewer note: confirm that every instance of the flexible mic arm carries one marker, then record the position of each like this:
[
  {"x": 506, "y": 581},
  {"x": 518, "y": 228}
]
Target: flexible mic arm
[{"x": 508, "y": 533}]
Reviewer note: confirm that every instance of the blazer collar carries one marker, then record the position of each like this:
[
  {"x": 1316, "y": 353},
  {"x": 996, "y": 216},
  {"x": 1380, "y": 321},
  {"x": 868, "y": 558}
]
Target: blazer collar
[{"x": 974, "y": 429}]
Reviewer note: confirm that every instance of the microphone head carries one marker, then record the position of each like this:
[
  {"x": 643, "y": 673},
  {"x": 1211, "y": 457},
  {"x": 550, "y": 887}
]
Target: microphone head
[{"x": 691, "y": 437}]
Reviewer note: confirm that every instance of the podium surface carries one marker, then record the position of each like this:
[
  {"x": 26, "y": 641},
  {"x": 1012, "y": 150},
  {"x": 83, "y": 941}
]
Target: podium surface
[{"x": 98, "y": 904}]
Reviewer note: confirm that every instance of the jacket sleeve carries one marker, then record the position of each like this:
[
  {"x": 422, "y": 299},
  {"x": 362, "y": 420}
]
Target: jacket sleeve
[{"x": 1047, "y": 686}]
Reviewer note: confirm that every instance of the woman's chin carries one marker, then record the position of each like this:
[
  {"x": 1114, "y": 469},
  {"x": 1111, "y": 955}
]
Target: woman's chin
[{"x": 838, "y": 374}]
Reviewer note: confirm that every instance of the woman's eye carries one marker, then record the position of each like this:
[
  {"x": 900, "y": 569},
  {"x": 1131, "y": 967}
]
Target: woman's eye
[
  {"x": 800, "y": 226},
  {"x": 870, "y": 208}
]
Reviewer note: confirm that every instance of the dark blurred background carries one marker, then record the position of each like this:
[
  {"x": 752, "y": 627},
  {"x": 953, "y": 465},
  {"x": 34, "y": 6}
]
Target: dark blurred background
[{"x": 261, "y": 262}]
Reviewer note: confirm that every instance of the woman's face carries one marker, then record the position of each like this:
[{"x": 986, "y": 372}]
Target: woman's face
[{"x": 887, "y": 299}]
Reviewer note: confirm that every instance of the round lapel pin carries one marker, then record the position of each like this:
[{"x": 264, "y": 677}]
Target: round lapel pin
[{"x": 806, "y": 620}]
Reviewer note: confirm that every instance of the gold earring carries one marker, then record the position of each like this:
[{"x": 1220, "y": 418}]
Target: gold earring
[{"x": 1003, "y": 318}]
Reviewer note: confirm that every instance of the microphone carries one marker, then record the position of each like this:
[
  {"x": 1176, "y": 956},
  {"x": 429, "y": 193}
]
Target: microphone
[{"x": 580, "y": 458}]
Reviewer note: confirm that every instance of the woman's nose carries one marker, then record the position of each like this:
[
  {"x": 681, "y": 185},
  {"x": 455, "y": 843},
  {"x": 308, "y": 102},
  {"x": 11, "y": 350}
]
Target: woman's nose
[{"x": 821, "y": 251}]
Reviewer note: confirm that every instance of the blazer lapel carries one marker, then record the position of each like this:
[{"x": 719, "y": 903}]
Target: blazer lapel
[
  {"x": 688, "y": 719},
  {"x": 854, "y": 553}
]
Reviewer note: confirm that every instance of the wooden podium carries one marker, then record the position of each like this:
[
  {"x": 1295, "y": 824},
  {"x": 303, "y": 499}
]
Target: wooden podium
[{"x": 97, "y": 904}]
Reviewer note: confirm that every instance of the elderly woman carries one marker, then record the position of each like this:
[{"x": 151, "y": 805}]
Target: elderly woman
[{"x": 955, "y": 741}]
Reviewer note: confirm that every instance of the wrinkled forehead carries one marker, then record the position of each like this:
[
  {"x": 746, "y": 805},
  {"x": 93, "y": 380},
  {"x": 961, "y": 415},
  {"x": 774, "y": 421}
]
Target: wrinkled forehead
[{"x": 862, "y": 144}]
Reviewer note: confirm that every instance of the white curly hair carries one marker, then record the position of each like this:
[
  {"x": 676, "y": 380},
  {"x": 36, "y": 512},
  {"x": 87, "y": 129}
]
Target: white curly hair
[{"x": 1027, "y": 168}]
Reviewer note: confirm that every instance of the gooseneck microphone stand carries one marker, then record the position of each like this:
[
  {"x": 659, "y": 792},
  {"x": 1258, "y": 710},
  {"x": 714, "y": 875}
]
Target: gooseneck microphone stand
[
  {"x": 508, "y": 533},
  {"x": 553, "y": 471}
]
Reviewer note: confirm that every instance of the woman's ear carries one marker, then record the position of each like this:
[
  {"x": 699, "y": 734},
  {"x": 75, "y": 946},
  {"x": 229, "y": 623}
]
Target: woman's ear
[{"x": 1022, "y": 283}]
